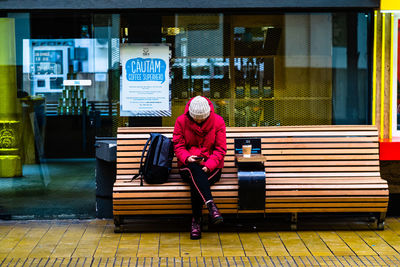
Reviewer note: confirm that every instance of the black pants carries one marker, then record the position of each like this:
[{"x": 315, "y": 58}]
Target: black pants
[{"x": 200, "y": 183}]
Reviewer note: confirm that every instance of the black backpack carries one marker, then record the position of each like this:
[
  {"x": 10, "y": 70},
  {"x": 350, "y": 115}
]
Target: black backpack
[{"x": 158, "y": 162}]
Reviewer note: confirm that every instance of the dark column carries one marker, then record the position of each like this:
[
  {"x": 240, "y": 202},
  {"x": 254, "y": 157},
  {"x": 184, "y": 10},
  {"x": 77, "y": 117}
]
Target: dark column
[{"x": 352, "y": 69}]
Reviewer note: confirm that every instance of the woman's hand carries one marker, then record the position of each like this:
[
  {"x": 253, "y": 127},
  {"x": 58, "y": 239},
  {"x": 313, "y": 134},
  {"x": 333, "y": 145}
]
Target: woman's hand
[
  {"x": 205, "y": 169},
  {"x": 193, "y": 158}
]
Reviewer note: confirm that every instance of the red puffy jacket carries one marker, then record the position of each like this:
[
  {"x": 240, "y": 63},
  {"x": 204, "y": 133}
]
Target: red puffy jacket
[{"x": 207, "y": 140}]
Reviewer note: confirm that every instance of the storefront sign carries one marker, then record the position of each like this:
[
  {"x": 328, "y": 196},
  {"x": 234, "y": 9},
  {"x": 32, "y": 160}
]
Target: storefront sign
[
  {"x": 390, "y": 5},
  {"x": 145, "y": 80}
]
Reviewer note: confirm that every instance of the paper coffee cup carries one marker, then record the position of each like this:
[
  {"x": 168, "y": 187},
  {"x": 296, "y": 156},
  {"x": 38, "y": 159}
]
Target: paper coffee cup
[{"x": 246, "y": 151}]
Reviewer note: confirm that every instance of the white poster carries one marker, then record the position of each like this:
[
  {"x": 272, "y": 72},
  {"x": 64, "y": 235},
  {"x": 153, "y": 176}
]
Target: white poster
[{"x": 145, "y": 80}]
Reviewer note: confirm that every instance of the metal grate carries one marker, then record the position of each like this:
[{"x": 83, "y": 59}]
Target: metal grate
[{"x": 244, "y": 65}]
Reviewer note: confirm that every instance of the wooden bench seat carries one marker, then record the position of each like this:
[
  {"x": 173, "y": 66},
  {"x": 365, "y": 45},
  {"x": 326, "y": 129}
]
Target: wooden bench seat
[{"x": 308, "y": 169}]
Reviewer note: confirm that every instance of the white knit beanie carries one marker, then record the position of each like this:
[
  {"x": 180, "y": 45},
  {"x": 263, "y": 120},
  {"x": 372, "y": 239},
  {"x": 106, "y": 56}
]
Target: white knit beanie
[{"x": 199, "y": 108}]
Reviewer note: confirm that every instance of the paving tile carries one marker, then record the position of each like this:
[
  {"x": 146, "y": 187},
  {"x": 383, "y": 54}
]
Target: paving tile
[
  {"x": 231, "y": 244},
  {"x": 63, "y": 251},
  {"x": 314, "y": 243},
  {"x": 5, "y": 229},
  {"x": 169, "y": 245},
  {"x": 375, "y": 242},
  {"x": 127, "y": 252},
  {"x": 356, "y": 243},
  {"x": 210, "y": 244},
  {"x": 335, "y": 243},
  {"x": 393, "y": 224},
  {"x": 294, "y": 244},
  {"x": 252, "y": 244},
  {"x": 190, "y": 248},
  {"x": 82, "y": 252},
  {"x": 147, "y": 251},
  {"x": 273, "y": 244},
  {"x": 391, "y": 238}
]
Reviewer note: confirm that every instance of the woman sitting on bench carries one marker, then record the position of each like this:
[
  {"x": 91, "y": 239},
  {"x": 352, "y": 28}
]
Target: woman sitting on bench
[{"x": 200, "y": 145}]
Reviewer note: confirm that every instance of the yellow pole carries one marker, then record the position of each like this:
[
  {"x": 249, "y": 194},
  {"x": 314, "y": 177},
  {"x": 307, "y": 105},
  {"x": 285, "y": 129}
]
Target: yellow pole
[
  {"x": 10, "y": 161},
  {"x": 383, "y": 77},
  {"x": 374, "y": 70},
  {"x": 391, "y": 75}
]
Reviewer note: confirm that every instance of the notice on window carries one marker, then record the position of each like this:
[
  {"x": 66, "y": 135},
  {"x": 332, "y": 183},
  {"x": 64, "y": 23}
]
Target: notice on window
[{"x": 145, "y": 80}]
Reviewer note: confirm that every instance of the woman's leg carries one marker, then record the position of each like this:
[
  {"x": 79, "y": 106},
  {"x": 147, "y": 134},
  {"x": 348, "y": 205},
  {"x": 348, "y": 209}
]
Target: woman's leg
[
  {"x": 199, "y": 180},
  {"x": 200, "y": 189}
]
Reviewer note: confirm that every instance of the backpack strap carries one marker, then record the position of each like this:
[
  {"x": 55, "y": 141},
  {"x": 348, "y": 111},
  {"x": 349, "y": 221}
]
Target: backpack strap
[{"x": 141, "y": 163}]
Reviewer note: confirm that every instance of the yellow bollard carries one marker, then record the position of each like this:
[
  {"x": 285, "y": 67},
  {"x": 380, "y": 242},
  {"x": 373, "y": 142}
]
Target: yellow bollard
[{"x": 10, "y": 161}]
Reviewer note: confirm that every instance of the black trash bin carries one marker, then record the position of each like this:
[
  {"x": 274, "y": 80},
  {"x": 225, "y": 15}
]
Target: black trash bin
[{"x": 106, "y": 153}]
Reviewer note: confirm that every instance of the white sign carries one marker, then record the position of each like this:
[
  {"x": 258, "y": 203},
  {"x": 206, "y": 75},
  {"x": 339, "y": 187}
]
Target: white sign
[{"x": 145, "y": 80}]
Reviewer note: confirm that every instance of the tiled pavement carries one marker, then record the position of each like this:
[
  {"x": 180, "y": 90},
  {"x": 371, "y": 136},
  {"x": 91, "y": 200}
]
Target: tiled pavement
[{"x": 94, "y": 243}]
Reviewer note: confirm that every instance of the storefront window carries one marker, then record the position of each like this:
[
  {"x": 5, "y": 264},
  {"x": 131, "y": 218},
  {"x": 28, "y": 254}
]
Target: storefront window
[
  {"x": 61, "y": 74},
  {"x": 66, "y": 93},
  {"x": 265, "y": 70}
]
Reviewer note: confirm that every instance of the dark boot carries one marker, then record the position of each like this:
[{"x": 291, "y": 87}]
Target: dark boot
[
  {"x": 215, "y": 215},
  {"x": 195, "y": 232}
]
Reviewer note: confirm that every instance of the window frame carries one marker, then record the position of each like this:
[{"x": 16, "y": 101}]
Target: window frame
[{"x": 395, "y": 65}]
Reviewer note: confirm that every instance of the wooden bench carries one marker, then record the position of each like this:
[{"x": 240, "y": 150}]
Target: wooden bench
[{"x": 308, "y": 169}]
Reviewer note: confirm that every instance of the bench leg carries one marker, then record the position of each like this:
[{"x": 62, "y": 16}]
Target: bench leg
[
  {"x": 293, "y": 225},
  {"x": 117, "y": 222},
  {"x": 381, "y": 221}
]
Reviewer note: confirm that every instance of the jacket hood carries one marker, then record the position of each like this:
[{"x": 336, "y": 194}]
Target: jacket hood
[{"x": 209, "y": 102}]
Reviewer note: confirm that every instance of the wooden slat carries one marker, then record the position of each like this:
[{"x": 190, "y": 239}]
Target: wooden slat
[
  {"x": 170, "y": 200},
  {"x": 168, "y": 206},
  {"x": 308, "y": 210},
  {"x": 272, "y": 140},
  {"x": 306, "y": 133},
  {"x": 168, "y": 194},
  {"x": 329, "y": 199},
  {"x": 317, "y": 151},
  {"x": 325, "y": 169},
  {"x": 321, "y": 163},
  {"x": 273, "y": 193},
  {"x": 319, "y": 145},
  {"x": 333, "y": 180},
  {"x": 321, "y": 157},
  {"x": 171, "y": 189},
  {"x": 327, "y": 174},
  {"x": 324, "y": 204},
  {"x": 129, "y": 176},
  {"x": 325, "y": 186},
  {"x": 166, "y": 212}
]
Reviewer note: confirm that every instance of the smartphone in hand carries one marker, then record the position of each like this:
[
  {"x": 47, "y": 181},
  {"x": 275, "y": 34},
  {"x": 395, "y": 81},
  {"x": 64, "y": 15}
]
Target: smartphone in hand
[{"x": 198, "y": 158}]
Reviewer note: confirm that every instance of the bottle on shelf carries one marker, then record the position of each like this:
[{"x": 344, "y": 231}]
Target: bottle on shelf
[
  {"x": 267, "y": 81},
  {"x": 215, "y": 85},
  {"x": 239, "y": 81},
  {"x": 197, "y": 87},
  {"x": 255, "y": 82},
  {"x": 206, "y": 88},
  {"x": 247, "y": 79}
]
